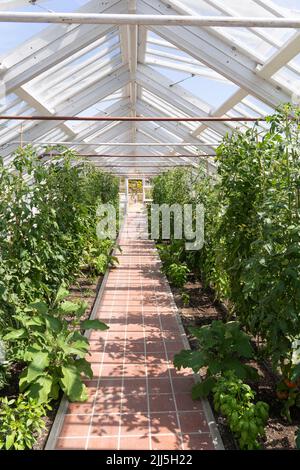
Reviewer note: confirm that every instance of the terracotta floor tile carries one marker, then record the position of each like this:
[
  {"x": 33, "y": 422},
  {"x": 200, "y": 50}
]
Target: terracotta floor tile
[
  {"x": 156, "y": 357},
  {"x": 163, "y": 442},
  {"x": 105, "y": 403},
  {"x": 183, "y": 384},
  {"x": 135, "y": 404},
  {"x": 134, "y": 358},
  {"x": 94, "y": 357},
  {"x": 134, "y": 386},
  {"x": 135, "y": 327},
  {"x": 161, "y": 403},
  {"x": 154, "y": 346},
  {"x": 158, "y": 386},
  {"x": 134, "y": 370},
  {"x": 136, "y": 424},
  {"x": 197, "y": 442},
  {"x": 110, "y": 386},
  {"x": 153, "y": 331},
  {"x": 194, "y": 421},
  {"x": 76, "y": 426},
  {"x": 70, "y": 444},
  {"x": 181, "y": 372},
  {"x": 185, "y": 402},
  {"x": 113, "y": 357},
  {"x": 137, "y": 336},
  {"x": 158, "y": 369},
  {"x": 105, "y": 425},
  {"x": 164, "y": 423},
  {"x": 97, "y": 345},
  {"x": 132, "y": 347},
  {"x": 110, "y": 370}
]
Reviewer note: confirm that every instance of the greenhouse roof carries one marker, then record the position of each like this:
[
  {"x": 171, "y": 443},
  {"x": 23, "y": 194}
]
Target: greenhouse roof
[{"x": 116, "y": 69}]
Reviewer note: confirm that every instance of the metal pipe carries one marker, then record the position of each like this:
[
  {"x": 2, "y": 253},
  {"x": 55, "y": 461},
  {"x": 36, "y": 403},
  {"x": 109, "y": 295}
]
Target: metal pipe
[
  {"x": 118, "y": 144},
  {"x": 162, "y": 20},
  {"x": 87, "y": 155},
  {"x": 132, "y": 118}
]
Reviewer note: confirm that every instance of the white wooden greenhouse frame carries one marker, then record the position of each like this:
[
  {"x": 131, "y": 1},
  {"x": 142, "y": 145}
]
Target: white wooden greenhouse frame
[{"x": 113, "y": 54}]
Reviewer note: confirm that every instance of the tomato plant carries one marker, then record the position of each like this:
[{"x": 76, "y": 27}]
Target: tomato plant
[{"x": 47, "y": 225}]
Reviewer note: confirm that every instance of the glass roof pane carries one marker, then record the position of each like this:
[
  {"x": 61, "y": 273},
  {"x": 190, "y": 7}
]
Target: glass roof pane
[
  {"x": 214, "y": 92},
  {"x": 14, "y": 34},
  {"x": 76, "y": 75},
  {"x": 260, "y": 41},
  {"x": 288, "y": 79}
]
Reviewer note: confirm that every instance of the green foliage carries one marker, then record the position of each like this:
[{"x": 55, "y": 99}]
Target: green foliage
[
  {"x": 99, "y": 257},
  {"x": 185, "y": 299},
  {"x": 21, "y": 422},
  {"x": 251, "y": 254},
  {"x": 177, "y": 274},
  {"x": 50, "y": 342},
  {"x": 47, "y": 225},
  {"x": 222, "y": 347},
  {"x": 176, "y": 186},
  {"x": 234, "y": 399},
  {"x": 260, "y": 231}
]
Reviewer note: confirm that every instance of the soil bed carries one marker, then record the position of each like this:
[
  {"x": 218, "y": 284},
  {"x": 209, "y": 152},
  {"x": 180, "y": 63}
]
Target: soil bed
[{"x": 202, "y": 310}]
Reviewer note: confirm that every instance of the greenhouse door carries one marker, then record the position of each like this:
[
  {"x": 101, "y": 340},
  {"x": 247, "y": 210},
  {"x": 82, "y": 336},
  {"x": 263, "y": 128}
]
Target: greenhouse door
[{"x": 135, "y": 191}]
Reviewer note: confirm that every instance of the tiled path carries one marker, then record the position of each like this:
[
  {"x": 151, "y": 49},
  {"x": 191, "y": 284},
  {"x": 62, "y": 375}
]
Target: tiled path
[{"x": 137, "y": 400}]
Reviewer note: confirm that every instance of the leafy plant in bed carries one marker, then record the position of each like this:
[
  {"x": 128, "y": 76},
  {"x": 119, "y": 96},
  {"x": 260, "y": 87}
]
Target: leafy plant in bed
[
  {"x": 222, "y": 347},
  {"x": 51, "y": 344}
]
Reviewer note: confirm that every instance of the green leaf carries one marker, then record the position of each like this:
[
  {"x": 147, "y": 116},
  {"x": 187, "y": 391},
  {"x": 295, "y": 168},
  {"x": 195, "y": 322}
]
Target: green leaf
[
  {"x": 192, "y": 359},
  {"x": 94, "y": 325},
  {"x": 55, "y": 388},
  {"x": 71, "y": 383},
  {"x": 31, "y": 350},
  {"x": 81, "y": 309},
  {"x": 53, "y": 324},
  {"x": 62, "y": 293},
  {"x": 68, "y": 307},
  {"x": 10, "y": 439},
  {"x": 243, "y": 346},
  {"x": 40, "y": 307},
  {"x": 40, "y": 360},
  {"x": 15, "y": 334},
  {"x": 40, "y": 390},
  {"x": 203, "y": 389},
  {"x": 236, "y": 366},
  {"x": 83, "y": 366}
]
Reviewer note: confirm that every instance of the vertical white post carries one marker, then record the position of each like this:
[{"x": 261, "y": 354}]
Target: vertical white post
[
  {"x": 143, "y": 182},
  {"x": 126, "y": 194}
]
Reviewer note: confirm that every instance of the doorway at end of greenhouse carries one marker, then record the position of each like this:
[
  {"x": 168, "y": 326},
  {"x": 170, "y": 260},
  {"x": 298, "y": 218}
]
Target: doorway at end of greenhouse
[{"x": 137, "y": 191}]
